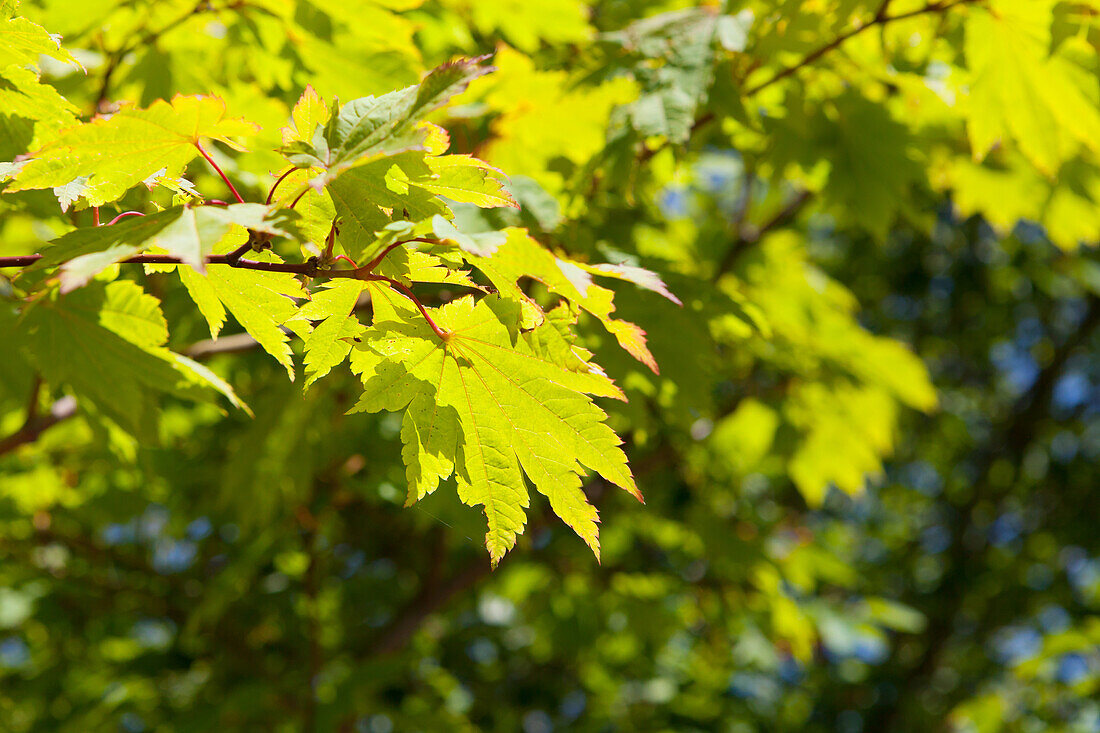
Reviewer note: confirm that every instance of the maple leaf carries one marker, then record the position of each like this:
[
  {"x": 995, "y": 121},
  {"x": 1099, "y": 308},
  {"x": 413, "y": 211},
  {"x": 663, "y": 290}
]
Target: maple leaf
[
  {"x": 107, "y": 342},
  {"x": 365, "y": 200},
  {"x": 465, "y": 179},
  {"x": 1007, "y": 47},
  {"x": 22, "y": 94},
  {"x": 309, "y": 112},
  {"x": 520, "y": 256},
  {"x": 372, "y": 127},
  {"x": 372, "y": 196},
  {"x": 490, "y": 409},
  {"x": 21, "y": 41},
  {"x": 330, "y": 341},
  {"x": 118, "y": 152},
  {"x": 260, "y": 301}
]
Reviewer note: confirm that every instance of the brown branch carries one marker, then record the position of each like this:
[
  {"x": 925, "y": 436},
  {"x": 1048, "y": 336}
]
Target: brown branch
[
  {"x": 271, "y": 192},
  {"x": 303, "y": 268},
  {"x": 120, "y": 217},
  {"x": 431, "y": 598},
  {"x": 744, "y": 207},
  {"x": 700, "y": 123},
  {"x": 880, "y": 19},
  {"x": 19, "y": 261},
  {"x": 747, "y": 236},
  {"x": 316, "y": 661},
  {"x": 330, "y": 243},
  {"x": 443, "y": 335},
  {"x": 115, "y": 58},
  {"x": 37, "y": 424},
  {"x": 236, "y": 255},
  {"x": 231, "y": 344},
  {"x": 433, "y": 595}
]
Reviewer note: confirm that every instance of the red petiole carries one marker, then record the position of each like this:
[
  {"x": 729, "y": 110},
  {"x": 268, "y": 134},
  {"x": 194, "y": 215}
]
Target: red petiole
[
  {"x": 271, "y": 193},
  {"x": 123, "y": 215},
  {"x": 221, "y": 173}
]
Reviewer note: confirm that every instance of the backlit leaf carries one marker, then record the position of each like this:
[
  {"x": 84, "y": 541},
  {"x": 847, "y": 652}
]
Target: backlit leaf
[
  {"x": 517, "y": 415},
  {"x": 118, "y": 152}
]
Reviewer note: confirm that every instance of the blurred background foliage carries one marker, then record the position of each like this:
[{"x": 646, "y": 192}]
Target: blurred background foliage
[{"x": 869, "y": 457}]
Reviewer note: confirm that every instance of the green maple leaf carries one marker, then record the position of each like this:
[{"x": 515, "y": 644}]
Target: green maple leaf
[
  {"x": 465, "y": 179},
  {"x": 21, "y": 42},
  {"x": 410, "y": 265},
  {"x": 23, "y": 95},
  {"x": 107, "y": 342},
  {"x": 381, "y": 163},
  {"x": 372, "y": 127},
  {"x": 490, "y": 409},
  {"x": 1043, "y": 102},
  {"x": 330, "y": 341},
  {"x": 118, "y": 152},
  {"x": 308, "y": 114},
  {"x": 526, "y": 25},
  {"x": 407, "y": 187},
  {"x": 262, "y": 302},
  {"x": 678, "y": 49},
  {"x": 370, "y": 197},
  {"x": 509, "y": 256}
]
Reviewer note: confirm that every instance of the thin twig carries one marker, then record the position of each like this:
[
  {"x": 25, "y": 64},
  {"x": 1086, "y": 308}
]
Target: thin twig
[
  {"x": 231, "y": 344},
  {"x": 238, "y": 342},
  {"x": 302, "y": 268},
  {"x": 330, "y": 244},
  {"x": 236, "y": 255},
  {"x": 19, "y": 260},
  {"x": 369, "y": 267},
  {"x": 429, "y": 600},
  {"x": 880, "y": 19},
  {"x": 316, "y": 660},
  {"x": 747, "y": 237},
  {"x": 32, "y": 400},
  {"x": 1010, "y": 441},
  {"x": 745, "y": 204},
  {"x": 116, "y": 57},
  {"x": 299, "y": 197}
]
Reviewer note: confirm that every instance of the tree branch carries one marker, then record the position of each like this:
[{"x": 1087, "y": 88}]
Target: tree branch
[
  {"x": 36, "y": 424},
  {"x": 880, "y": 19},
  {"x": 443, "y": 335},
  {"x": 302, "y": 268},
  {"x": 231, "y": 344},
  {"x": 430, "y": 599},
  {"x": 275, "y": 185},
  {"x": 748, "y": 236},
  {"x": 115, "y": 58}
]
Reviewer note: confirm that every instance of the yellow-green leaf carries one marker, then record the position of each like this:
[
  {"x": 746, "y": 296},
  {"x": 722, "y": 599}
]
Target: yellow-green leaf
[
  {"x": 513, "y": 412},
  {"x": 118, "y": 152}
]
